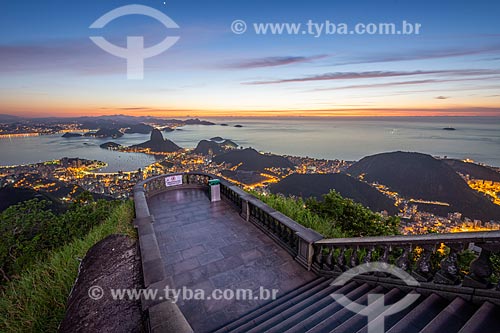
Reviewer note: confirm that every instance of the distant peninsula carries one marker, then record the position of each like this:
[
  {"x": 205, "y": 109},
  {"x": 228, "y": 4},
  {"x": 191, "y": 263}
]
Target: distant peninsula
[
  {"x": 139, "y": 128},
  {"x": 214, "y": 147}
]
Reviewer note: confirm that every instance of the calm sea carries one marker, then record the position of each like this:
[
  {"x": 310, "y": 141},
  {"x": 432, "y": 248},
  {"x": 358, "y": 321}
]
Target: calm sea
[{"x": 477, "y": 138}]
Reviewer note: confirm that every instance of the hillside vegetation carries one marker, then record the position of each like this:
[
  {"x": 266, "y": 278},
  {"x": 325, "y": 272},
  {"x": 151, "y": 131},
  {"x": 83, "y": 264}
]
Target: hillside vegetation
[
  {"x": 334, "y": 216},
  {"x": 30, "y": 230},
  {"x": 316, "y": 185},
  {"x": 34, "y": 299}
]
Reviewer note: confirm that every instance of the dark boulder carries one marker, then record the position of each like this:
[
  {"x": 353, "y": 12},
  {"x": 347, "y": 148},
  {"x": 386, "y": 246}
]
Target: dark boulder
[{"x": 113, "y": 263}]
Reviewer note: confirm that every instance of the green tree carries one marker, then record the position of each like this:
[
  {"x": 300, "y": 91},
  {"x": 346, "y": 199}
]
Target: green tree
[{"x": 352, "y": 218}]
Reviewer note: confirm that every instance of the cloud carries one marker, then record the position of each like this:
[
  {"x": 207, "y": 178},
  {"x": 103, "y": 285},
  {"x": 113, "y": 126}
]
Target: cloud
[
  {"x": 272, "y": 61},
  {"x": 374, "y": 75},
  {"x": 404, "y": 83},
  {"x": 424, "y": 54},
  {"x": 441, "y": 97},
  {"x": 126, "y": 108},
  {"x": 77, "y": 56}
]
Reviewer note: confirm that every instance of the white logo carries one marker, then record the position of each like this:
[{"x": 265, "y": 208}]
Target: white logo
[
  {"x": 376, "y": 310},
  {"x": 135, "y": 53}
]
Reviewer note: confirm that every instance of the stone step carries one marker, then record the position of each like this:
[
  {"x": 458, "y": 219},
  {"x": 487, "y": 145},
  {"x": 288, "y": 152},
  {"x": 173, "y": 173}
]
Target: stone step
[
  {"x": 328, "y": 311},
  {"x": 306, "y": 302},
  {"x": 310, "y": 310},
  {"x": 485, "y": 319},
  {"x": 394, "y": 313},
  {"x": 452, "y": 318},
  {"x": 332, "y": 322},
  {"x": 421, "y": 315},
  {"x": 289, "y": 298},
  {"x": 357, "y": 322}
]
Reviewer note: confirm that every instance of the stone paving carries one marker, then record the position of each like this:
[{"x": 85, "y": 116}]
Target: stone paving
[{"x": 209, "y": 246}]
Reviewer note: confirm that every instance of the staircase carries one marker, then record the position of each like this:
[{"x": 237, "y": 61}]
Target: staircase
[{"x": 310, "y": 308}]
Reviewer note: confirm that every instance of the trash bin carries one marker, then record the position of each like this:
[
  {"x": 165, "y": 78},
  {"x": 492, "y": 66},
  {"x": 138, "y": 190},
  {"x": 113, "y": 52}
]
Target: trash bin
[{"x": 214, "y": 189}]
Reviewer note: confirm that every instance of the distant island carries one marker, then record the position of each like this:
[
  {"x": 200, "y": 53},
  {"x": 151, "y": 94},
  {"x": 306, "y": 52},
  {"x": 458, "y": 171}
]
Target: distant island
[
  {"x": 449, "y": 129},
  {"x": 72, "y": 135},
  {"x": 106, "y": 133},
  {"x": 111, "y": 146},
  {"x": 197, "y": 121}
]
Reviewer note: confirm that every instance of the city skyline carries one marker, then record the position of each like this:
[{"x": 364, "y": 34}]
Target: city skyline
[{"x": 50, "y": 67}]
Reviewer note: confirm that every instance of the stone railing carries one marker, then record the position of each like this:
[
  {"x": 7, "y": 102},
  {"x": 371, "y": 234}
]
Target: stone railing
[
  {"x": 431, "y": 259},
  {"x": 293, "y": 237}
]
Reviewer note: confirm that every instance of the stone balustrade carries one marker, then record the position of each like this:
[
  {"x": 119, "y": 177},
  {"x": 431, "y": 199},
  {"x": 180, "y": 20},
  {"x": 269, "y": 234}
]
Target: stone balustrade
[
  {"x": 431, "y": 258},
  {"x": 293, "y": 237}
]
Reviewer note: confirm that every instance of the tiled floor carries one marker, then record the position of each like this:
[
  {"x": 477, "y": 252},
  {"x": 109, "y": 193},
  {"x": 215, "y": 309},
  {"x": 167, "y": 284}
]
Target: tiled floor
[{"x": 209, "y": 246}]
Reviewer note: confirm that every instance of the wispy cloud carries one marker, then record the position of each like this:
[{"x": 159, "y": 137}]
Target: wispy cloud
[
  {"x": 78, "y": 56},
  {"x": 126, "y": 108},
  {"x": 375, "y": 75},
  {"x": 405, "y": 83},
  {"x": 272, "y": 61},
  {"x": 441, "y": 97},
  {"x": 423, "y": 55}
]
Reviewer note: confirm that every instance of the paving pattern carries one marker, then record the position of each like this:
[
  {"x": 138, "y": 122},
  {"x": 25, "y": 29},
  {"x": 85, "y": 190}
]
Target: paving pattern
[{"x": 209, "y": 246}]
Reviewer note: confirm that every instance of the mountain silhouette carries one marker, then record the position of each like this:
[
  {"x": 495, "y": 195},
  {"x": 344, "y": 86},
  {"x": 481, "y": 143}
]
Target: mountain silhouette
[
  {"x": 158, "y": 144},
  {"x": 420, "y": 176}
]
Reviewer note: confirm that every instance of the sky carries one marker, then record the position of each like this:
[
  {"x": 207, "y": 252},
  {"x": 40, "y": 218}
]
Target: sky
[{"x": 50, "y": 67}]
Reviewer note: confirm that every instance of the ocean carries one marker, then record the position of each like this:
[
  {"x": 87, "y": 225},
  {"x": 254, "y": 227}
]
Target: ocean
[{"x": 476, "y": 138}]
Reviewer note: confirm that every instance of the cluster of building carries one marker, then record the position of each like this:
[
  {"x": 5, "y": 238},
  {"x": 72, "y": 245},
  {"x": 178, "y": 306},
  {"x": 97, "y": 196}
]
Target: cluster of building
[
  {"x": 414, "y": 221},
  {"x": 84, "y": 173},
  {"x": 50, "y": 176},
  {"x": 313, "y": 165},
  {"x": 489, "y": 188},
  {"x": 25, "y": 128}
]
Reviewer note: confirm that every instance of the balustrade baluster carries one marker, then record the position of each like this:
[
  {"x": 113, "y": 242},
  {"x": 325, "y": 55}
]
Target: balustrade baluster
[
  {"x": 403, "y": 261},
  {"x": 329, "y": 258},
  {"x": 480, "y": 271},
  {"x": 354, "y": 259},
  {"x": 341, "y": 262},
  {"x": 423, "y": 271},
  {"x": 319, "y": 255},
  {"x": 369, "y": 255},
  {"x": 448, "y": 274}
]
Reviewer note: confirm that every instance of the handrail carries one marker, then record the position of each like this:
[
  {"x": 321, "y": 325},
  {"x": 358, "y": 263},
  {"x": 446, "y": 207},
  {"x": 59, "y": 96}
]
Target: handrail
[
  {"x": 459, "y": 237},
  {"x": 431, "y": 258}
]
